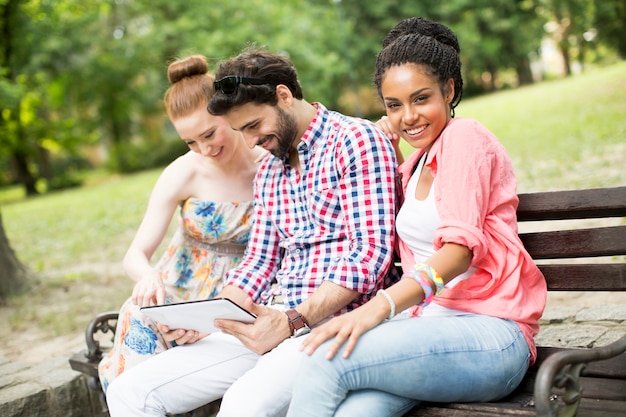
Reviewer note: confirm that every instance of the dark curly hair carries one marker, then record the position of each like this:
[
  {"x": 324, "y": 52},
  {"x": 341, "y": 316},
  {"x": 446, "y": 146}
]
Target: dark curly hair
[
  {"x": 426, "y": 43},
  {"x": 255, "y": 63}
]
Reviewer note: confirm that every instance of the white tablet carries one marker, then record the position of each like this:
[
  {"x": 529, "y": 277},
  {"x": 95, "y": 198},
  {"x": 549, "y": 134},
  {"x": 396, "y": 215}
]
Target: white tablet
[{"x": 198, "y": 315}]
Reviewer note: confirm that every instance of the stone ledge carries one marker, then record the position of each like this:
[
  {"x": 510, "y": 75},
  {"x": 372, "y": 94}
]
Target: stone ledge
[
  {"x": 603, "y": 312},
  {"x": 54, "y": 389},
  {"x": 584, "y": 327},
  {"x": 578, "y": 335},
  {"x": 50, "y": 389}
]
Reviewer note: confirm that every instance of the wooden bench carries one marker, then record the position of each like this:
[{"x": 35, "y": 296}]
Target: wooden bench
[
  {"x": 564, "y": 381},
  {"x": 567, "y": 381}
]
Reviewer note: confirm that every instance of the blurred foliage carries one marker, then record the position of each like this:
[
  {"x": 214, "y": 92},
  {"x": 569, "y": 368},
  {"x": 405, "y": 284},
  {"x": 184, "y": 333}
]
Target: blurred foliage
[{"x": 81, "y": 82}]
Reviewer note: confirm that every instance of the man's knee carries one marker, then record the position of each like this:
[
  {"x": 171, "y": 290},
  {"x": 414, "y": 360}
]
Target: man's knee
[{"x": 235, "y": 404}]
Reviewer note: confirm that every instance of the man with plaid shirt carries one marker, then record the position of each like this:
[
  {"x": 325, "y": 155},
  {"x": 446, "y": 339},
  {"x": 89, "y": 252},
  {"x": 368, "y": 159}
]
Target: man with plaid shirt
[{"x": 321, "y": 245}]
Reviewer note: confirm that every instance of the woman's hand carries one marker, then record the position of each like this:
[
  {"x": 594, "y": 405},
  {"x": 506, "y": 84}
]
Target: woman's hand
[
  {"x": 385, "y": 125},
  {"x": 394, "y": 137},
  {"x": 347, "y": 327},
  {"x": 149, "y": 290}
]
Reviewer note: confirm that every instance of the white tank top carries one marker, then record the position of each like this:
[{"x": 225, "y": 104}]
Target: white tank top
[{"x": 416, "y": 223}]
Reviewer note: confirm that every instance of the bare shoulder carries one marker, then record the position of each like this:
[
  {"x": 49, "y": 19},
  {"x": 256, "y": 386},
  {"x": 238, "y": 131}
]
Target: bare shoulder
[
  {"x": 185, "y": 164},
  {"x": 180, "y": 171}
]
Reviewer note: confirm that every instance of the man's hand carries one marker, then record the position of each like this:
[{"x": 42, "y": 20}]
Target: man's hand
[
  {"x": 180, "y": 336},
  {"x": 269, "y": 329}
]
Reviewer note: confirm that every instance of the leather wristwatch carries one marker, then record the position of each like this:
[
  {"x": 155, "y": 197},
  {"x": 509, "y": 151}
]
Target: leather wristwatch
[{"x": 297, "y": 323}]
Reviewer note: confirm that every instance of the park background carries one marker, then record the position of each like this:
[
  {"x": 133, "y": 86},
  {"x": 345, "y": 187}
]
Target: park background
[{"x": 83, "y": 134}]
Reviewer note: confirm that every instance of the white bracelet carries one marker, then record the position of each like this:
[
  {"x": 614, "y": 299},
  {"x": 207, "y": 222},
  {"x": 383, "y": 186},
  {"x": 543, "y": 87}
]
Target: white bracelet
[{"x": 392, "y": 312}]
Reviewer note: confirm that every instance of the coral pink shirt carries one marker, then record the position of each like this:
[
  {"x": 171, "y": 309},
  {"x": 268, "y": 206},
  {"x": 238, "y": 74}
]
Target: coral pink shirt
[{"x": 476, "y": 198}]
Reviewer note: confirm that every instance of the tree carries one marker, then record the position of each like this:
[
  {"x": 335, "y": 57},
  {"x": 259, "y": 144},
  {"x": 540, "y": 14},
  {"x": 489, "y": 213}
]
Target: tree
[
  {"x": 14, "y": 277},
  {"x": 92, "y": 74},
  {"x": 84, "y": 79},
  {"x": 495, "y": 35},
  {"x": 572, "y": 19},
  {"x": 35, "y": 118},
  {"x": 11, "y": 126},
  {"x": 609, "y": 22}
]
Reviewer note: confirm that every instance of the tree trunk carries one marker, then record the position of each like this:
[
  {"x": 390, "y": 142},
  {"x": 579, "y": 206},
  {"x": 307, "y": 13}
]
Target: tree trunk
[
  {"x": 524, "y": 75},
  {"x": 567, "y": 59},
  {"x": 14, "y": 276},
  {"x": 26, "y": 178}
]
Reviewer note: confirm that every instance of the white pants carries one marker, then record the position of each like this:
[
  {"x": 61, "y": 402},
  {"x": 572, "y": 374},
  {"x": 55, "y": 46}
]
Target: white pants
[{"x": 189, "y": 376}]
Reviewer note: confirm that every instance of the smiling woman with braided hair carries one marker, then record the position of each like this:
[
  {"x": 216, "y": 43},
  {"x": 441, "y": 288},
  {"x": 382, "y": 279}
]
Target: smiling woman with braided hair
[{"x": 459, "y": 325}]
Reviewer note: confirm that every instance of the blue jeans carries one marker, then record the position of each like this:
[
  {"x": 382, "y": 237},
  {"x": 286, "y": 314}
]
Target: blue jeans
[{"x": 404, "y": 361}]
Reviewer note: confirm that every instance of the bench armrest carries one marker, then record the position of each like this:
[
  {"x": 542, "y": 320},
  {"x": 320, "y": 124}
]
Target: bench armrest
[
  {"x": 561, "y": 371},
  {"x": 102, "y": 323}
]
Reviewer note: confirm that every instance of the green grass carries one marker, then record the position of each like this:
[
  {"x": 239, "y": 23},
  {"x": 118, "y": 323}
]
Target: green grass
[
  {"x": 74, "y": 241},
  {"x": 12, "y": 194},
  {"x": 81, "y": 225}
]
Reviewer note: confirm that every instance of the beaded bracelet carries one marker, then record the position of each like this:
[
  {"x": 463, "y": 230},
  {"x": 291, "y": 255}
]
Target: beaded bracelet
[
  {"x": 392, "y": 305},
  {"x": 432, "y": 276},
  {"x": 427, "y": 287}
]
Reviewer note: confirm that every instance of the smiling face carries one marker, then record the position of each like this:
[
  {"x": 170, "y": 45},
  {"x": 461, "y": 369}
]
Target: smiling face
[
  {"x": 269, "y": 127},
  {"x": 415, "y": 103},
  {"x": 208, "y": 135}
]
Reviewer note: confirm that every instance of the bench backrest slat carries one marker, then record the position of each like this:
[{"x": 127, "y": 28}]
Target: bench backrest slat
[
  {"x": 578, "y": 243},
  {"x": 600, "y": 274},
  {"x": 573, "y": 204},
  {"x": 585, "y": 277}
]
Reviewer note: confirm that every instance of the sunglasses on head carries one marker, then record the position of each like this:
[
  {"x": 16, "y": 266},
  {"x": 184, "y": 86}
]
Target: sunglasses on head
[{"x": 228, "y": 85}]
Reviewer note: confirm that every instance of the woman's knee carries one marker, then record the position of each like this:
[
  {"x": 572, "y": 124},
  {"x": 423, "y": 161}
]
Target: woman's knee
[{"x": 318, "y": 368}]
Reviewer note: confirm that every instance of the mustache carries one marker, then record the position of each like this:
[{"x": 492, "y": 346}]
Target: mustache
[{"x": 264, "y": 139}]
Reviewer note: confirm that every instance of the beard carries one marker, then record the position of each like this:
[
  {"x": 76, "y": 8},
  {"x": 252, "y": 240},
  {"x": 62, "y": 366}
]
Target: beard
[{"x": 286, "y": 134}]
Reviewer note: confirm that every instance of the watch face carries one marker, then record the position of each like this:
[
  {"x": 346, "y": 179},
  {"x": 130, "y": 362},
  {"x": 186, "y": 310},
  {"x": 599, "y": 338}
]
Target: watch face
[{"x": 301, "y": 331}]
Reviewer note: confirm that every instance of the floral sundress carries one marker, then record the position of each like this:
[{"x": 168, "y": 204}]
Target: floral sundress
[{"x": 210, "y": 240}]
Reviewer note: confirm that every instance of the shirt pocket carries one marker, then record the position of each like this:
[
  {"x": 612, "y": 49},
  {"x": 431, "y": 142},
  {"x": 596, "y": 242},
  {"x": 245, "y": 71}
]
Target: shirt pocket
[{"x": 325, "y": 208}]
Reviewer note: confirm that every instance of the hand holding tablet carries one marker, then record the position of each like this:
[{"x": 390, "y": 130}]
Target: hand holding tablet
[{"x": 198, "y": 315}]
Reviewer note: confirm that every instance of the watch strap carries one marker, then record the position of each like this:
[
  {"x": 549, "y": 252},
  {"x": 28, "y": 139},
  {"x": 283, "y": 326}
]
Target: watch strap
[{"x": 296, "y": 321}]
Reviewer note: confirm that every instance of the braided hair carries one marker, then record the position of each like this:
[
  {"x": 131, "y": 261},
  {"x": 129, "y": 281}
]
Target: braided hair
[{"x": 426, "y": 43}]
